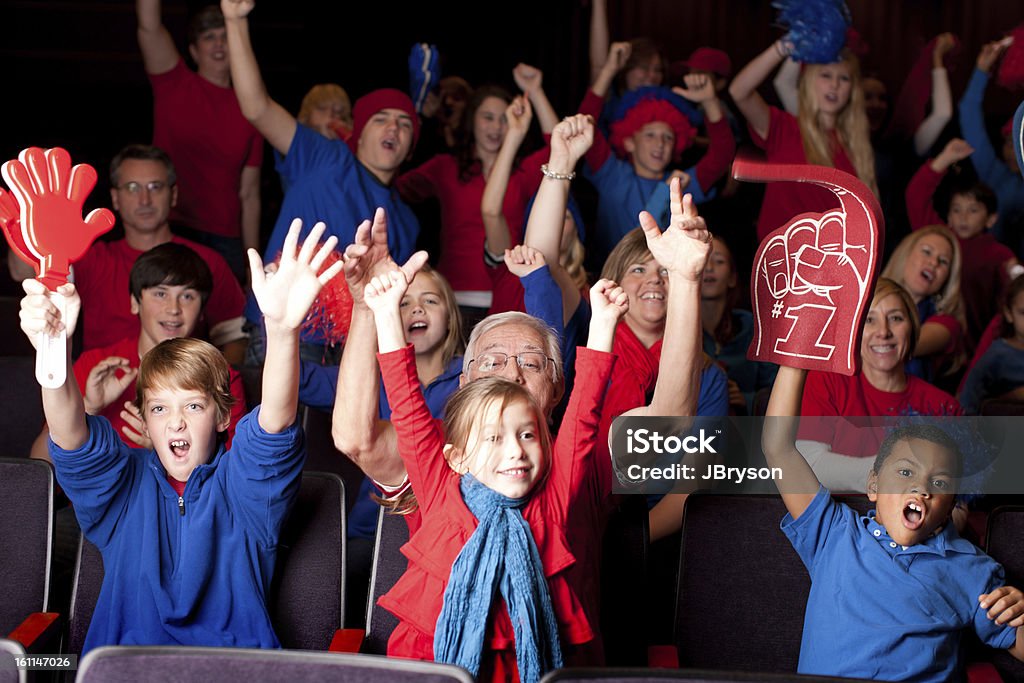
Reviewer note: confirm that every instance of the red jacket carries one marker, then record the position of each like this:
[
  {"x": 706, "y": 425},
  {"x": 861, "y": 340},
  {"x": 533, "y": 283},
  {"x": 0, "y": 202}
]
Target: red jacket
[{"x": 447, "y": 523}]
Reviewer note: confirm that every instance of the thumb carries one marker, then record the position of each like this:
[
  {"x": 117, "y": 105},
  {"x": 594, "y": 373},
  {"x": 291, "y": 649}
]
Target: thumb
[
  {"x": 650, "y": 227},
  {"x": 100, "y": 221},
  {"x": 126, "y": 380},
  {"x": 414, "y": 265}
]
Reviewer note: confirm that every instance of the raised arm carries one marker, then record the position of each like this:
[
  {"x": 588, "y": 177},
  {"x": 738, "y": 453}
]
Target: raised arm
[
  {"x": 618, "y": 55},
  {"x": 743, "y": 88},
  {"x": 530, "y": 80},
  {"x": 942, "y": 99},
  {"x": 497, "y": 236},
  {"x": 598, "y": 36},
  {"x": 798, "y": 484},
  {"x": 158, "y": 52},
  {"x": 608, "y": 303},
  {"x": 787, "y": 85},
  {"x": 922, "y": 186},
  {"x": 62, "y": 407},
  {"x": 284, "y": 299},
  {"x": 358, "y": 433},
  {"x": 683, "y": 250},
  {"x": 700, "y": 89},
  {"x": 270, "y": 118}
]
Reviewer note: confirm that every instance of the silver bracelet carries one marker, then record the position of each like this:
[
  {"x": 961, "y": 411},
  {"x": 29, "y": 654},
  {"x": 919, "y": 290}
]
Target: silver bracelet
[{"x": 557, "y": 176}]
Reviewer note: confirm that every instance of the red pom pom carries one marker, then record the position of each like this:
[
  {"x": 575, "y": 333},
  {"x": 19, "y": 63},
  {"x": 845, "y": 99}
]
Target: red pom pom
[{"x": 331, "y": 313}]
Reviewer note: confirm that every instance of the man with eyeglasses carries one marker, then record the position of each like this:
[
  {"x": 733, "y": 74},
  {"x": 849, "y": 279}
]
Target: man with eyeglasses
[{"x": 142, "y": 191}]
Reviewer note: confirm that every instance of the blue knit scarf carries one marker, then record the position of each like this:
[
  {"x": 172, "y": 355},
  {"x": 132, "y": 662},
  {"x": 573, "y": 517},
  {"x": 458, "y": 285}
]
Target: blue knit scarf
[{"x": 501, "y": 554}]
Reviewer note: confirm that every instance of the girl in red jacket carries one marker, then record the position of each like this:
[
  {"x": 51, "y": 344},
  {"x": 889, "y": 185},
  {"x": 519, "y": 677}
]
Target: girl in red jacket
[{"x": 493, "y": 489}]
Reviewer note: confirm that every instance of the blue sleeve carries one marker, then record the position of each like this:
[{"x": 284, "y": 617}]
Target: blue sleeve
[
  {"x": 317, "y": 384},
  {"x": 713, "y": 400},
  {"x": 658, "y": 204},
  {"x": 309, "y": 152},
  {"x": 989, "y": 632},
  {"x": 811, "y": 531},
  {"x": 97, "y": 478},
  {"x": 261, "y": 474},
  {"x": 542, "y": 298},
  {"x": 972, "y": 124}
]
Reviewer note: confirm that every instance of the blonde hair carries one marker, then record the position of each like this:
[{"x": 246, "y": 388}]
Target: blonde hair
[
  {"x": 452, "y": 345},
  {"x": 467, "y": 407},
  {"x": 947, "y": 300},
  {"x": 186, "y": 363},
  {"x": 325, "y": 93},
  {"x": 573, "y": 263},
  {"x": 632, "y": 248},
  {"x": 851, "y": 123},
  {"x": 885, "y": 287}
]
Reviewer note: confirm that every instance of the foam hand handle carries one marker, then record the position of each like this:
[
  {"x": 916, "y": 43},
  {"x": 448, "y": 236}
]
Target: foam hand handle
[
  {"x": 813, "y": 277},
  {"x": 10, "y": 223},
  {"x": 51, "y": 194}
]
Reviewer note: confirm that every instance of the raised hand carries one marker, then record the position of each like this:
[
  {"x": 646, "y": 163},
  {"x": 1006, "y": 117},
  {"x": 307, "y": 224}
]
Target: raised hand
[
  {"x": 41, "y": 315},
  {"x": 618, "y": 55},
  {"x": 684, "y": 179},
  {"x": 698, "y": 88},
  {"x": 684, "y": 247},
  {"x": 285, "y": 297},
  {"x": 943, "y": 44},
  {"x": 607, "y": 301},
  {"x": 528, "y": 78},
  {"x": 135, "y": 428},
  {"x": 955, "y": 150},
  {"x": 51, "y": 193},
  {"x": 384, "y": 293},
  {"x": 107, "y": 380},
  {"x": 368, "y": 255},
  {"x": 990, "y": 52},
  {"x": 519, "y": 113},
  {"x": 570, "y": 140},
  {"x": 236, "y": 9},
  {"x": 522, "y": 260}
]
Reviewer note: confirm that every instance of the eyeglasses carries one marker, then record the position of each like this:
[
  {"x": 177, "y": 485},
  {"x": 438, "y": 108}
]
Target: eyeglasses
[
  {"x": 153, "y": 187},
  {"x": 533, "y": 362}
]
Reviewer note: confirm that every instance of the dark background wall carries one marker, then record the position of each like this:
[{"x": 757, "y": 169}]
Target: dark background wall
[{"x": 73, "y": 75}]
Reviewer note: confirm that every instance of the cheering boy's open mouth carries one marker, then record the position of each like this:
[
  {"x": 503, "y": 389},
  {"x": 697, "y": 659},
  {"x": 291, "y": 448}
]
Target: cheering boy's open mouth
[
  {"x": 179, "y": 447},
  {"x": 913, "y": 514}
]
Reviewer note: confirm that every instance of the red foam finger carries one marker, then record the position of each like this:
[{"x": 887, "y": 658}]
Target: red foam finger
[
  {"x": 34, "y": 160},
  {"x": 813, "y": 277},
  {"x": 81, "y": 182}
]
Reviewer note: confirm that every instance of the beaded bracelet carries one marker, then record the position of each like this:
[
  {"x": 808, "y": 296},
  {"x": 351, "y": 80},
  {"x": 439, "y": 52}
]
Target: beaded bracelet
[{"x": 557, "y": 176}]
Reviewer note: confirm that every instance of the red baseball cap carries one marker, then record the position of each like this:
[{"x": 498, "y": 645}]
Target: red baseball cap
[{"x": 710, "y": 59}]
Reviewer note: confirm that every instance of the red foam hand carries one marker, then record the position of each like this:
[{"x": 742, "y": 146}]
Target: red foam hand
[
  {"x": 10, "y": 223},
  {"x": 813, "y": 277},
  {"x": 51, "y": 194}
]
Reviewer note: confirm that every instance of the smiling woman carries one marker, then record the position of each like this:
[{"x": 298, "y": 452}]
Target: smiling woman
[{"x": 881, "y": 389}]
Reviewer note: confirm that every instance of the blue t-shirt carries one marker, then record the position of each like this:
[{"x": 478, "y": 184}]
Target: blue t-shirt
[
  {"x": 882, "y": 611},
  {"x": 327, "y": 183}
]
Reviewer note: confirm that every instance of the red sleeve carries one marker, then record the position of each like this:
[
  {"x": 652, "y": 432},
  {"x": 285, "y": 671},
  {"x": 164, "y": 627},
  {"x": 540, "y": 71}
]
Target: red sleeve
[
  {"x": 419, "y": 183},
  {"x": 721, "y": 150},
  {"x": 238, "y": 410},
  {"x": 919, "y": 197},
  {"x": 420, "y": 441},
  {"x": 577, "y": 436},
  {"x": 955, "y": 331},
  {"x": 598, "y": 153},
  {"x": 530, "y": 167}
]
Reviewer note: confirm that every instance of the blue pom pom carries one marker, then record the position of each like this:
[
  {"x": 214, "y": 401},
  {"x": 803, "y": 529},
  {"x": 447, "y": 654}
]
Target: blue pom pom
[
  {"x": 1018, "y": 135},
  {"x": 424, "y": 72},
  {"x": 631, "y": 98},
  {"x": 817, "y": 28}
]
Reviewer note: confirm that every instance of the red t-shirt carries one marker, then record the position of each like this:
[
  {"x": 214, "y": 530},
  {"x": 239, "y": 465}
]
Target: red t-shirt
[
  {"x": 101, "y": 277},
  {"x": 836, "y": 396},
  {"x": 201, "y": 127},
  {"x": 784, "y": 200},
  {"x": 129, "y": 348}
]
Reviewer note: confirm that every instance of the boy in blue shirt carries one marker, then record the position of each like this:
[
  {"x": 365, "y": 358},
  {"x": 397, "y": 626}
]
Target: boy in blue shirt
[
  {"x": 188, "y": 530},
  {"x": 892, "y": 591}
]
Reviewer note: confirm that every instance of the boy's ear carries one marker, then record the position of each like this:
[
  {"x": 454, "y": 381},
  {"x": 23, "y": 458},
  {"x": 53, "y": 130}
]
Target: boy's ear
[
  {"x": 873, "y": 486},
  {"x": 134, "y": 304},
  {"x": 629, "y": 145},
  {"x": 992, "y": 218},
  {"x": 223, "y": 425},
  {"x": 454, "y": 457}
]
